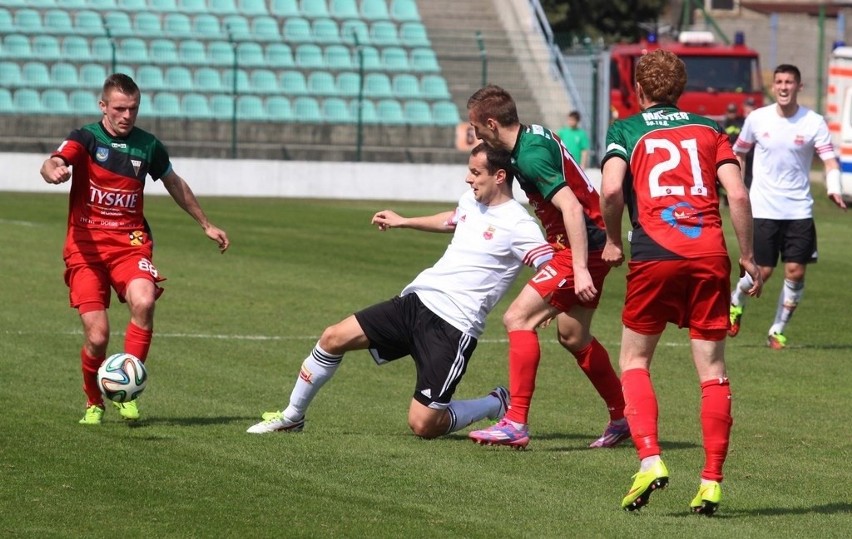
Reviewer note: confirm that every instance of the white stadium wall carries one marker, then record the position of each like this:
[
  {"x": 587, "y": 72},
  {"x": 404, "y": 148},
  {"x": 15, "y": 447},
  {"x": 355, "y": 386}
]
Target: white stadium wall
[{"x": 288, "y": 179}]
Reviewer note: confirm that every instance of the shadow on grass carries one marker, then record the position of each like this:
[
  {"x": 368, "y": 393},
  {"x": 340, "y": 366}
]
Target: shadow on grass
[
  {"x": 827, "y": 509},
  {"x": 192, "y": 421}
]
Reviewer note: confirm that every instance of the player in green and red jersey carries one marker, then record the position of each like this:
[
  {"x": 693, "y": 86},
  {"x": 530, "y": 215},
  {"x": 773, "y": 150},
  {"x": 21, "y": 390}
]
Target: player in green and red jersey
[
  {"x": 663, "y": 165},
  {"x": 568, "y": 288},
  {"x": 109, "y": 243}
]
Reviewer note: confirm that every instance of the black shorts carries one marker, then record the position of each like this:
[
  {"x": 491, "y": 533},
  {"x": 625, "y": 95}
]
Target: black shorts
[
  {"x": 795, "y": 240},
  {"x": 404, "y": 326}
]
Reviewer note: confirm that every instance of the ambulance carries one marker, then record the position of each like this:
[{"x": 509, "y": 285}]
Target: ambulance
[{"x": 838, "y": 113}]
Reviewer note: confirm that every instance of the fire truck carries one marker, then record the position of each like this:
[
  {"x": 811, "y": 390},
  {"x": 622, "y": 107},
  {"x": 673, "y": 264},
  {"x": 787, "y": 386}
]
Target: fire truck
[{"x": 717, "y": 74}]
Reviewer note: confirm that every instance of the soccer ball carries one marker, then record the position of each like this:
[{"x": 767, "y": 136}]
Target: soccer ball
[{"x": 122, "y": 377}]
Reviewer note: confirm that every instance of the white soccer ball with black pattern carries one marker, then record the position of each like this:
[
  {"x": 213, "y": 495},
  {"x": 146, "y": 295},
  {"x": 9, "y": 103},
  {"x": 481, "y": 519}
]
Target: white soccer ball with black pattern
[{"x": 122, "y": 377}]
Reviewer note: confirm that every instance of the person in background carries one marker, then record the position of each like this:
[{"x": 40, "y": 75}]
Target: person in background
[{"x": 575, "y": 139}]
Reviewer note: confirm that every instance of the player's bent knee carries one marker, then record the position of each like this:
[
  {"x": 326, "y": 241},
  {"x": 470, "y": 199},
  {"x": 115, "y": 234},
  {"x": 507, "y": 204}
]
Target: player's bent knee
[{"x": 425, "y": 428}]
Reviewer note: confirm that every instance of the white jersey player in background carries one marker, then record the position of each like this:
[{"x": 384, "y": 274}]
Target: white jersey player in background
[
  {"x": 438, "y": 318},
  {"x": 785, "y": 137}
]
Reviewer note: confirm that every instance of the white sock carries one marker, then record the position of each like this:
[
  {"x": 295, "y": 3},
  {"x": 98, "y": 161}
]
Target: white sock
[
  {"x": 740, "y": 292},
  {"x": 648, "y": 463},
  {"x": 317, "y": 369},
  {"x": 788, "y": 300},
  {"x": 463, "y": 413}
]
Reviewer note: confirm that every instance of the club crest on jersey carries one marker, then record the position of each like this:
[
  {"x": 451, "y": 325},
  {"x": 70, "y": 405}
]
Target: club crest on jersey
[
  {"x": 137, "y": 237},
  {"x": 489, "y": 233},
  {"x": 684, "y": 218},
  {"x": 799, "y": 140},
  {"x": 102, "y": 154},
  {"x": 136, "y": 164}
]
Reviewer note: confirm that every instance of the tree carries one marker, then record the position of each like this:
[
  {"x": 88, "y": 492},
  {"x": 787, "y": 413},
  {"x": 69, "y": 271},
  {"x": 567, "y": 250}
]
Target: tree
[{"x": 613, "y": 20}]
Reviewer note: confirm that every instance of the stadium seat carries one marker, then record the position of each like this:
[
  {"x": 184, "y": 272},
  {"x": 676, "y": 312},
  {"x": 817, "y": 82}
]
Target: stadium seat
[
  {"x": 192, "y": 52},
  {"x": 406, "y": 86},
  {"x": 395, "y": 59},
  {"x": 413, "y": 34},
  {"x": 102, "y": 5},
  {"x": 195, "y": 106},
  {"x": 17, "y": 46},
  {"x": 10, "y": 75},
  {"x": 370, "y": 56},
  {"x": 28, "y": 21},
  {"x": 278, "y": 109},
  {"x": 126, "y": 69},
  {"x": 118, "y": 23},
  {"x": 55, "y": 101},
  {"x": 293, "y": 83},
  {"x": 147, "y": 24},
  {"x": 178, "y": 79},
  {"x": 348, "y": 84},
  {"x": 344, "y": 9},
  {"x": 150, "y": 78},
  {"x": 285, "y": 8},
  {"x": 377, "y": 85},
  {"x": 313, "y": 8},
  {"x": 325, "y": 31},
  {"x": 445, "y": 113},
  {"x": 337, "y": 57},
  {"x": 35, "y": 75},
  {"x": 374, "y": 10},
  {"x": 88, "y": 22},
  {"x": 252, "y": 8},
  {"x": 250, "y": 54},
  {"x": 423, "y": 59},
  {"x": 321, "y": 83},
  {"x": 417, "y": 112},
  {"x": 242, "y": 80},
  {"x": 389, "y": 111},
  {"x": 265, "y": 28},
  {"x": 383, "y": 34},
  {"x": 7, "y": 23},
  {"x": 207, "y": 26},
  {"x": 166, "y": 105},
  {"x": 27, "y": 100},
  {"x": 76, "y": 49},
  {"x": 164, "y": 6},
  {"x": 336, "y": 110},
  {"x": 7, "y": 106},
  {"x": 434, "y": 87},
  {"x": 279, "y": 55},
  {"x": 237, "y": 27},
  {"x": 92, "y": 76},
  {"x": 297, "y": 30},
  {"x": 164, "y": 51},
  {"x": 83, "y": 102},
  {"x": 351, "y": 28},
  {"x": 102, "y": 48},
  {"x": 220, "y": 53},
  {"x": 222, "y": 7},
  {"x": 250, "y": 107},
  {"x": 309, "y": 56},
  {"x": 404, "y": 10},
  {"x": 56, "y": 21},
  {"x": 367, "y": 109},
  {"x": 208, "y": 80},
  {"x": 64, "y": 75},
  {"x": 192, "y": 6},
  {"x": 133, "y": 6},
  {"x": 306, "y": 109},
  {"x": 177, "y": 25},
  {"x": 221, "y": 106},
  {"x": 133, "y": 50},
  {"x": 263, "y": 81},
  {"x": 46, "y": 47}
]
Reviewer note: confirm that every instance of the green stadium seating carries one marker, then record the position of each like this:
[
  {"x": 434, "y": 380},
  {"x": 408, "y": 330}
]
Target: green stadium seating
[
  {"x": 165, "y": 6},
  {"x": 76, "y": 49},
  {"x": 222, "y": 7},
  {"x": 177, "y": 25},
  {"x": 207, "y": 26},
  {"x": 434, "y": 87},
  {"x": 147, "y": 24},
  {"x": 242, "y": 80},
  {"x": 192, "y": 6},
  {"x": 344, "y": 9},
  {"x": 352, "y": 28},
  {"x": 56, "y": 21},
  {"x": 367, "y": 109},
  {"x": 265, "y": 28},
  {"x": 297, "y": 30},
  {"x": 127, "y": 70},
  {"x": 395, "y": 59},
  {"x": 88, "y": 22},
  {"x": 250, "y": 54},
  {"x": 92, "y": 76},
  {"x": 293, "y": 83},
  {"x": 383, "y": 34},
  {"x": 35, "y": 74},
  {"x": 27, "y": 100},
  {"x": 208, "y": 80},
  {"x": 321, "y": 83},
  {"x": 10, "y": 75},
  {"x": 314, "y": 8},
  {"x": 252, "y": 7},
  {"x": 132, "y": 6},
  {"x": 417, "y": 112},
  {"x": 250, "y": 107},
  {"x": 195, "y": 106},
  {"x": 118, "y": 23},
  {"x": 64, "y": 75},
  {"x": 163, "y": 51},
  {"x": 166, "y": 105},
  {"x": 371, "y": 58},
  {"x": 336, "y": 110},
  {"x": 348, "y": 84},
  {"x": 406, "y": 86},
  {"x": 389, "y": 111},
  {"x": 55, "y": 101},
  {"x": 150, "y": 78},
  {"x": 237, "y": 27},
  {"x": 102, "y": 48},
  {"x": 278, "y": 108},
  {"x": 192, "y": 52},
  {"x": 83, "y": 102},
  {"x": 445, "y": 113},
  {"x": 325, "y": 31},
  {"x": 220, "y": 53},
  {"x": 374, "y": 10},
  {"x": 28, "y": 21},
  {"x": 7, "y": 22},
  {"x": 285, "y": 8},
  {"x": 423, "y": 59},
  {"x": 377, "y": 85},
  {"x": 7, "y": 106},
  {"x": 133, "y": 50},
  {"x": 102, "y": 5},
  {"x": 404, "y": 10},
  {"x": 413, "y": 34},
  {"x": 338, "y": 57},
  {"x": 46, "y": 47},
  {"x": 263, "y": 81},
  {"x": 306, "y": 109},
  {"x": 221, "y": 106},
  {"x": 178, "y": 79},
  {"x": 17, "y": 46},
  {"x": 279, "y": 55},
  {"x": 309, "y": 56}
]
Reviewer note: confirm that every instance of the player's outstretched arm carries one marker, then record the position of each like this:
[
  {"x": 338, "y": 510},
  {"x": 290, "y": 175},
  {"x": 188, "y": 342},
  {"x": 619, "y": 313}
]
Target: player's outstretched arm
[
  {"x": 440, "y": 222},
  {"x": 54, "y": 170},
  {"x": 731, "y": 179},
  {"x": 185, "y": 198},
  {"x": 612, "y": 209},
  {"x": 832, "y": 182}
]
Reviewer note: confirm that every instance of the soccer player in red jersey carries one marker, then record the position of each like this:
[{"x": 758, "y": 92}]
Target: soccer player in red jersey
[
  {"x": 663, "y": 165},
  {"x": 109, "y": 243},
  {"x": 569, "y": 287}
]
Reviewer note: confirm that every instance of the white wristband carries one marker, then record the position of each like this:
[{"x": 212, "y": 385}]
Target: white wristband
[{"x": 832, "y": 182}]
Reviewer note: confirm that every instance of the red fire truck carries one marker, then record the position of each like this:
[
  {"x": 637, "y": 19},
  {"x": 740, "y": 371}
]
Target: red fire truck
[{"x": 717, "y": 74}]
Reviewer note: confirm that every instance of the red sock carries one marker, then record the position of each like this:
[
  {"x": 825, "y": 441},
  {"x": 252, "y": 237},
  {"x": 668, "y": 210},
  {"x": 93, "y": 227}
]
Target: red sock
[
  {"x": 641, "y": 411},
  {"x": 716, "y": 422},
  {"x": 137, "y": 341},
  {"x": 524, "y": 356},
  {"x": 594, "y": 360},
  {"x": 90, "y": 378}
]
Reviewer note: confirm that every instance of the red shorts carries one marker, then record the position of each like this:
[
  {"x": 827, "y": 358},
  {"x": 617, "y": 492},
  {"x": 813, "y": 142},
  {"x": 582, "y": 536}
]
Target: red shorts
[
  {"x": 96, "y": 260},
  {"x": 693, "y": 293},
  {"x": 555, "y": 281}
]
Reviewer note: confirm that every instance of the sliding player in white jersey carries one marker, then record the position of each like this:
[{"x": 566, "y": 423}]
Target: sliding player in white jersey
[{"x": 438, "y": 318}]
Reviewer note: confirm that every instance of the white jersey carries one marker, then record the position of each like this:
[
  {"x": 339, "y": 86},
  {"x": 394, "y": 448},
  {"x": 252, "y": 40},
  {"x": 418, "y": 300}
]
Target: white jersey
[
  {"x": 490, "y": 246},
  {"x": 784, "y": 151}
]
